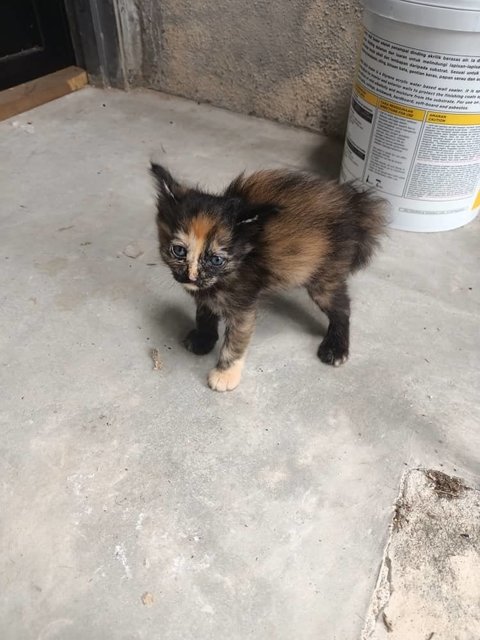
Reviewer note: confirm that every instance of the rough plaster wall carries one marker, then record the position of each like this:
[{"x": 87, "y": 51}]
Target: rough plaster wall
[{"x": 287, "y": 60}]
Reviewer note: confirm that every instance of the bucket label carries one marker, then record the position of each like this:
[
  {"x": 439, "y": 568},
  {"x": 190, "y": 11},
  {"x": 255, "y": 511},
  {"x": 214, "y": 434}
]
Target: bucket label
[
  {"x": 424, "y": 78},
  {"x": 414, "y": 127}
]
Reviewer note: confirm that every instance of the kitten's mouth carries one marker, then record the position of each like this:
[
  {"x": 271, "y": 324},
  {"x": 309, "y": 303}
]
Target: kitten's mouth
[{"x": 190, "y": 286}]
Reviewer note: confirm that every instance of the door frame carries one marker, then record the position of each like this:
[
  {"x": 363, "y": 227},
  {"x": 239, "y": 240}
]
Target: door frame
[{"x": 95, "y": 27}]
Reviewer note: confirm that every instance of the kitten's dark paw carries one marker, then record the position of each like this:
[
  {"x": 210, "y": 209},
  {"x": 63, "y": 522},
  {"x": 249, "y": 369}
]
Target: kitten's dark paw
[
  {"x": 333, "y": 353},
  {"x": 200, "y": 343}
]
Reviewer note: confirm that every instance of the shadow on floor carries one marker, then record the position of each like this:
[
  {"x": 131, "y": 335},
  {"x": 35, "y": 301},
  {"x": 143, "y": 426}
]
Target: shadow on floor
[
  {"x": 326, "y": 159},
  {"x": 293, "y": 312},
  {"x": 170, "y": 323}
]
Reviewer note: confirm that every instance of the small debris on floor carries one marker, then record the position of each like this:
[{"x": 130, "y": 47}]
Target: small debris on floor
[
  {"x": 66, "y": 228},
  {"x": 28, "y": 127},
  {"x": 157, "y": 361},
  {"x": 147, "y": 599},
  {"x": 444, "y": 485},
  {"x": 132, "y": 250}
]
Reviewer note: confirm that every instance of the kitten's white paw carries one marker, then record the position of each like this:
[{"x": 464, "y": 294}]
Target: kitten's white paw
[
  {"x": 225, "y": 380},
  {"x": 339, "y": 361}
]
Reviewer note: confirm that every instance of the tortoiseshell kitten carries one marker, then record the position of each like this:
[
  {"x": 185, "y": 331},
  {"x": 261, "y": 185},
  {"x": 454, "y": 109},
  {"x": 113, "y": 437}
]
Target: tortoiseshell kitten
[{"x": 268, "y": 231}]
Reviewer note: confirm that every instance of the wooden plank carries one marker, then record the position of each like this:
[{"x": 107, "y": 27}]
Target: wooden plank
[{"x": 36, "y": 92}]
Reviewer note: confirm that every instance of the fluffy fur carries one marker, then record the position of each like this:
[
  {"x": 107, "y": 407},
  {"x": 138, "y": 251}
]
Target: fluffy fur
[{"x": 271, "y": 230}]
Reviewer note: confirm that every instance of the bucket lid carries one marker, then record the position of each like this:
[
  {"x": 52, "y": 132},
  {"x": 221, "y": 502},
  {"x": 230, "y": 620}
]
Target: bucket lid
[{"x": 452, "y": 15}]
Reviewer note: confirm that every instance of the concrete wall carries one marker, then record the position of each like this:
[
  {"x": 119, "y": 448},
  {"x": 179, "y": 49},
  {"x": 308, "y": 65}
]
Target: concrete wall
[{"x": 288, "y": 60}]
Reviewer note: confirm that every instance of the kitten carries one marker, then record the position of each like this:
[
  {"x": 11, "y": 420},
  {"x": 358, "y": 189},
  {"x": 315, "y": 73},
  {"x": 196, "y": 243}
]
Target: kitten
[{"x": 269, "y": 231}]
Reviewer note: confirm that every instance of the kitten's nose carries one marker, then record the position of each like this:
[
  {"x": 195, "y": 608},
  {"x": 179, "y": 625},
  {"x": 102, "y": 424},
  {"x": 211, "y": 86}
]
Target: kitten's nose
[{"x": 192, "y": 277}]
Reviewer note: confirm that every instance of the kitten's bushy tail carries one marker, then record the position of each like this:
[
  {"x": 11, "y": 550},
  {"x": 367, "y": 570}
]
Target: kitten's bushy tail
[{"x": 369, "y": 213}]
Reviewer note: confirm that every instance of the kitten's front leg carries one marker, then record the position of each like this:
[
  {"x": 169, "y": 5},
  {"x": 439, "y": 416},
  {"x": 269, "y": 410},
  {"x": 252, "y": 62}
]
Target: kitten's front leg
[
  {"x": 202, "y": 339},
  {"x": 238, "y": 331}
]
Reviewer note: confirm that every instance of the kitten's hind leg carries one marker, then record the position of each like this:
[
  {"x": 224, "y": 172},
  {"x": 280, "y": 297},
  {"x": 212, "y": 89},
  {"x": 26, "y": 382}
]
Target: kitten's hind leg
[
  {"x": 238, "y": 331},
  {"x": 203, "y": 338},
  {"x": 336, "y": 305}
]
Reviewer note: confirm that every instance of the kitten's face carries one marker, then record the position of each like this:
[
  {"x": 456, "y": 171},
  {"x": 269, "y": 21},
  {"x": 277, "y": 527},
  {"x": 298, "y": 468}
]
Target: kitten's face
[
  {"x": 203, "y": 238},
  {"x": 197, "y": 233},
  {"x": 198, "y": 250}
]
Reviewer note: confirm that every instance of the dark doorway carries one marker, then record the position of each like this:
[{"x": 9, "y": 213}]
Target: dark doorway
[{"x": 34, "y": 40}]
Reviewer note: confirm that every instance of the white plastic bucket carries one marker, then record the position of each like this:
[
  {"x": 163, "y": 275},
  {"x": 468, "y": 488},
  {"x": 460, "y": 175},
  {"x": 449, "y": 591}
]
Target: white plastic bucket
[{"x": 414, "y": 124}]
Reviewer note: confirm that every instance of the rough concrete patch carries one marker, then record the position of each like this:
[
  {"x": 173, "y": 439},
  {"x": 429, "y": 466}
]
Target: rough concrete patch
[{"x": 429, "y": 582}]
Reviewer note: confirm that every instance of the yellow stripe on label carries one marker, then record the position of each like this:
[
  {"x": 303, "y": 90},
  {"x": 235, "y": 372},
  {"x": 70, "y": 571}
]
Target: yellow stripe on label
[
  {"x": 371, "y": 98},
  {"x": 453, "y": 118},
  {"x": 476, "y": 202},
  {"x": 401, "y": 110}
]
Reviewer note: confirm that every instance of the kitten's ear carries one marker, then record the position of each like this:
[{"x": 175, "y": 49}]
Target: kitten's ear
[
  {"x": 250, "y": 220},
  {"x": 253, "y": 215},
  {"x": 169, "y": 191}
]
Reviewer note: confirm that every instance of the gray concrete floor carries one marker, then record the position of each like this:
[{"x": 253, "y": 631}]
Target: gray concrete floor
[{"x": 256, "y": 514}]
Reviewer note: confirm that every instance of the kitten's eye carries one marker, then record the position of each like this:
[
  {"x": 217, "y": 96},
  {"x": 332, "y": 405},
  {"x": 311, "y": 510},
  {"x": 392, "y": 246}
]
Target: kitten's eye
[
  {"x": 178, "y": 251},
  {"x": 216, "y": 261}
]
